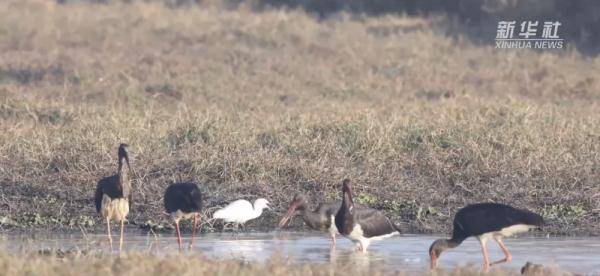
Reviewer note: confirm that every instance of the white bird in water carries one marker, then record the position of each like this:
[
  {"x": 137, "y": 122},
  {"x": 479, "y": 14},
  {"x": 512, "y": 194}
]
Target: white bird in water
[{"x": 241, "y": 211}]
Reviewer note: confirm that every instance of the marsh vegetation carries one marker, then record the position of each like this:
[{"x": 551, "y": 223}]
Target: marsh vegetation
[{"x": 273, "y": 102}]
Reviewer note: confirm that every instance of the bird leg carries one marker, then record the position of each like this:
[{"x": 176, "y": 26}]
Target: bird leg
[
  {"x": 178, "y": 233},
  {"x": 508, "y": 256},
  {"x": 121, "y": 238},
  {"x": 363, "y": 246},
  {"x": 195, "y": 224},
  {"x": 108, "y": 231},
  {"x": 332, "y": 240},
  {"x": 486, "y": 259}
]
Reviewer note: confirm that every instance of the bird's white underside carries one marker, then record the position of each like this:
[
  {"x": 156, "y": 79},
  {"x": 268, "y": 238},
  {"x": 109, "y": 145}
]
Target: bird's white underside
[
  {"x": 332, "y": 228},
  {"x": 114, "y": 209},
  {"x": 357, "y": 236},
  {"x": 505, "y": 232}
]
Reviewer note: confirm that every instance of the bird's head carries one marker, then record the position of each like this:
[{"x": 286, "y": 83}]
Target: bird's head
[
  {"x": 296, "y": 205},
  {"x": 347, "y": 191},
  {"x": 122, "y": 153},
  {"x": 261, "y": 204},
  {"x": 435, "y": 250},
  {"x": 123, "y": 150}
]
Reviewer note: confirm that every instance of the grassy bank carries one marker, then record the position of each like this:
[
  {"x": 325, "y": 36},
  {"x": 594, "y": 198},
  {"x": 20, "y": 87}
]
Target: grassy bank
[{"x": 276, "y": 102}]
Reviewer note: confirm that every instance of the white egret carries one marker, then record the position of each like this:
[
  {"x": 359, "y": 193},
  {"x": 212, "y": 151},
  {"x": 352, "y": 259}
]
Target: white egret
[{"x": 241, "y": 211}]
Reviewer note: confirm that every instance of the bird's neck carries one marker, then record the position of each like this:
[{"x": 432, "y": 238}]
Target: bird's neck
[
  {"x": 452, "y": 243},
  {"x": 257, "y": 212},
  {"x": 311, "y": 217},
  {"x": 123, "y": 175},
  {"x": 347, "y": 205},
  {"x": 442, "y": 245}
]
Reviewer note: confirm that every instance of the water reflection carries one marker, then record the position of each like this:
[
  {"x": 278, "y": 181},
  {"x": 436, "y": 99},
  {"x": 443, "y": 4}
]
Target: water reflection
[{"x": 406, "y": 253}]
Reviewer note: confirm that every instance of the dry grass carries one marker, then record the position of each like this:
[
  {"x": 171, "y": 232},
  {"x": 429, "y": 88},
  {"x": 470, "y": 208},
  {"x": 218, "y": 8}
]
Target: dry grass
[
  {"x": 144, "y": 264},
  {"x": 271, "y": 103},
  {"x": 141, "y": 264}
]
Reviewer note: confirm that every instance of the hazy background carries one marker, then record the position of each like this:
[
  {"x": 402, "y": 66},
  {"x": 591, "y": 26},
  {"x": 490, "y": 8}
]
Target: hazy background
[{"x": 476, "y": 19}]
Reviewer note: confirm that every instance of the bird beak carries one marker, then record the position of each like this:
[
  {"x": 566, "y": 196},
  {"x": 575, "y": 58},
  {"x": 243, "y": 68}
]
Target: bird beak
[
  {"x": 129, "y": 166},
  {"x": 434, "y": 260},
  {"x": 347, "y": 189},
  {"x": 290, "y": 212},
  {"x": 350, "y": 196},
  {"x": 123, "y": 154}
]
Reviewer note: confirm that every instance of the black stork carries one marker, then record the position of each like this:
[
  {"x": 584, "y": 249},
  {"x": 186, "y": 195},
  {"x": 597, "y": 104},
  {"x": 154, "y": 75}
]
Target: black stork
[
  {"x": 362, "y": 225},
  {"x": 485, "y": 221},
  {"x": 320, "y": 219},
  {"x": 113, "y": 195},
  {"x": 183, "y": 201}
]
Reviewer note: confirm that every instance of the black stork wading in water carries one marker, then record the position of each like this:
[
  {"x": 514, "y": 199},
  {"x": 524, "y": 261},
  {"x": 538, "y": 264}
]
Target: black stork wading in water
[
  {"x": 113, "y": 195},
  {"x": 183, "y": 201},
  {"x": 485, "y": 221},
  {"x": 320, "y": 219},
  {"x": 362, "y": 225}
]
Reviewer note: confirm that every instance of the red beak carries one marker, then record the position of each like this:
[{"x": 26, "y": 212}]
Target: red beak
[
  {"x": 347, "y": 188},
  {"x": 290, "y": 212},
  {"x": 434, "y": 260}
]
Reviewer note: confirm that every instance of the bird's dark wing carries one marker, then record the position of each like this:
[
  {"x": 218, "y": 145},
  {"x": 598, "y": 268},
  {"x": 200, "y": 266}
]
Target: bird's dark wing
[
  {"x": 329, "y": 209},
  {"x": 530, "y": 218},
  {"x": 170, "y": 199},
  {"x": 188, "y": 202},
  {"x": 482, "y": 218},
  {"x": 196, "y": 198},
  {"x": 183, "y": 196},
  {"x": 373, "y": 222},
  {"x": 189, "y": 196},
  {"x": 98, "y": 196},
  {"x": 109, "y": 186}
]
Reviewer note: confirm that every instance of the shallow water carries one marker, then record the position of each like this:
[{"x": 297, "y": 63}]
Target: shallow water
[{"x": 399, "y": 253}]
